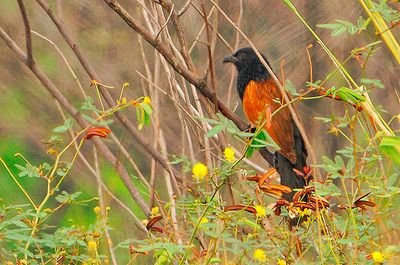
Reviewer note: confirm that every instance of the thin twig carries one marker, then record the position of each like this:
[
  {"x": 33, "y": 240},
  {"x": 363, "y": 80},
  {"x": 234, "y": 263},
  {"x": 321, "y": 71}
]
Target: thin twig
[
  {"x": 210, "y": 57},
  {"x": 233, "y": 70},
  {"x": 103, "y": 211}
]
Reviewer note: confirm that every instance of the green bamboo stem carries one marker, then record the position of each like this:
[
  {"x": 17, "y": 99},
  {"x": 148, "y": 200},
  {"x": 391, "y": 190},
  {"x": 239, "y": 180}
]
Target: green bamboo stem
[
  {"x": 367, "y": 105},
  {"x": 382, "y": 28}
]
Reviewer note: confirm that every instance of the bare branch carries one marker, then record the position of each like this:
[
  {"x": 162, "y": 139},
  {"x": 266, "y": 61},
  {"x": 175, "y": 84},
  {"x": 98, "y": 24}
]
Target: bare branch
[
  {"x": 184, "y": 8},
  {"x": 28, "y": 37},
  {"x": 110, "y": 101},
  {"x": 210, "y": 55},
  {"x": 191, "y": 77},
  {"x": 180, "y": 32},
  {"x": 55, "y": 92}
]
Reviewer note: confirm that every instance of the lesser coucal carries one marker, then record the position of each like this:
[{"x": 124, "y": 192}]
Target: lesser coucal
[{"x": 261, "y": 97}]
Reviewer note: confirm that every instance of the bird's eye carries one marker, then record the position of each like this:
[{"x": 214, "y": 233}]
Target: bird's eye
[{"x": 241, "y": 56}]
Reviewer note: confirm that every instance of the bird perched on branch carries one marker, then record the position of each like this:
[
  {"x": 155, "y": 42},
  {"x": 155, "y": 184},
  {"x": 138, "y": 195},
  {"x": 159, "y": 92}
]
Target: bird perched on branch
[{"x": 261, "y": 97}]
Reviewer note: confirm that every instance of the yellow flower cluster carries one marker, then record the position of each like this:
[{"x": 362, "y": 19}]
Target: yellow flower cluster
[
  {"x": 281, "y": 262},
  {"x": 154, "y": 211},
  {"x": 97, "y": 210},
  {"x": 199, "y": 171},
  {"x": 377, "y": 257},
  {"x": 147, "y": 100},
  {"x": 92, "y": 245},
  {"x": 259, "y": 255},
  {"x": 261, "y": 212},
  {"x": 229, "y": 154},
  {"x": 204, "y": 220}
]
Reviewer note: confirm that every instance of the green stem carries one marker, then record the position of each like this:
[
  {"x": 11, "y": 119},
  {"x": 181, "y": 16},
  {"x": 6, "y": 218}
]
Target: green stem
[
  {"x": 367, "y": 105},
  {"x": 18, "y": 184},
  {"x": 382, "y": 29}
]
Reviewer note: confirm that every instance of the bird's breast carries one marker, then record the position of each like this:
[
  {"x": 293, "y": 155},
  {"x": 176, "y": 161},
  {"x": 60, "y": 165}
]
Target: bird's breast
[{"x": 258, "y": 101}]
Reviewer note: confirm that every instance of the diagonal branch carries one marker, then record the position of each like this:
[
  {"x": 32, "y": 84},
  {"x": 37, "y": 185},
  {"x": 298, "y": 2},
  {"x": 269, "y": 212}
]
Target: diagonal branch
[
  {"x": 56, "y": 93},
  {"x": 28, "y": 37},
  {"x": 191, "y": 77},
  {"x": 180, "y": 32},
  {"x": 109, "y": 99}
]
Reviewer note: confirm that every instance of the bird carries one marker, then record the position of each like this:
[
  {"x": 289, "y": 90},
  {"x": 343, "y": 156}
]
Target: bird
[{"x": 260, "y": 97}]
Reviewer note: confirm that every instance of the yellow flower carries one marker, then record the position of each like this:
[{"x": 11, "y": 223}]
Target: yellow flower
[
  {"x": 52, "y": 151},
  {"x": 377, "y": 256},
  {"x": 204, "y": 220},
  {"x": 92, "y": 245},
  {"x": 96, "y": 210},
  {"x": 281, "y": 262},
  {"x": 305, "y": 212},
  {"x": 147, "y": 100},
  {"x": 126, "y": 84},
  {"x": 154, "y": 211},
  {"x": 259, "y": 255},
  {"x": 261, "y": 212},
  {"x": 199, "y": 171},
  {"x": 229, "y": 155}
]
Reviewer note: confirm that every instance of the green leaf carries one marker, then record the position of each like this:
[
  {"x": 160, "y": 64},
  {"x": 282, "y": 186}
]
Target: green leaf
[
  {"x": 90, "y": 119},
  {"x": 105, "y": 123},
  {"x": 338, "y": 31},
  {"x": 88, "y": 105},
  {"x": 289, "y": 87},
  {"x": 342, "y": 26},
  {"x": 261, "y": 140},
  {"x": 390, "y": 146},
  {"x": 28, "y": 170},
  {"x": 215, "y": 260},
  {"x": 392, "y": 180},
  {"x": 210, "y": 121},
  {"x": 65, "y": 197},
  {"x": 346, "y": 94},
  {"x": 147, "y": 108},
  {"x": 375, "y": 82},
  {"x": 345, "y": 241},
  {"x": 215, "y": 130},
  {"x": 63, "y": 128},
  {"x": 60, "y": 172}
]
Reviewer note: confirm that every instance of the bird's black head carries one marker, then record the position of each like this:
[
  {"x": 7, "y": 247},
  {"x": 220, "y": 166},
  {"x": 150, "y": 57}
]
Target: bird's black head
[{"x": 249, "y": 67}]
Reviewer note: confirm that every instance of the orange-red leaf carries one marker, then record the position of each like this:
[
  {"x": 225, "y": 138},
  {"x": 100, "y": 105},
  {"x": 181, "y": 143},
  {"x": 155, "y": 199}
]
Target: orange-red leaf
[
  {"x": 153, "y": 221},
  {"x": 97, "y": 131},
  {"x": 239, "y": 207},
  {"x": 156, "y": 229},
  {"x": 265, "y": 176}
]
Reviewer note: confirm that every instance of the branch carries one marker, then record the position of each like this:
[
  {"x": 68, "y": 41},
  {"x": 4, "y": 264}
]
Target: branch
[
  {"x": 55, "y": 92},
  {"x": 109, "y": 99},
  {"x": 28, "y": 37},
  {"x": 190, "y": 76},
  {"x": 180, "y": 32}
]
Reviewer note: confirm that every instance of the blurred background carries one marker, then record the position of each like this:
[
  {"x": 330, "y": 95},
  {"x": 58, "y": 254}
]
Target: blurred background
[{"x": 29, "y": 113}]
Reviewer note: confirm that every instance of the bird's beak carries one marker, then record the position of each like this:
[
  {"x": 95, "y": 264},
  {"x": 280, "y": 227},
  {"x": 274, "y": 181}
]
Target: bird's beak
[{"x": 230, "y": 59}]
